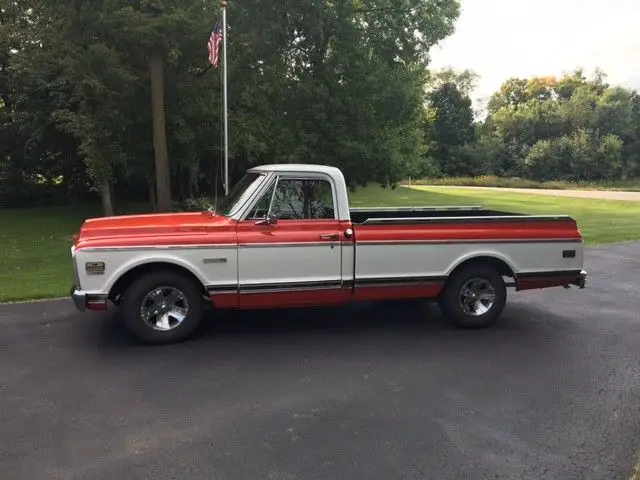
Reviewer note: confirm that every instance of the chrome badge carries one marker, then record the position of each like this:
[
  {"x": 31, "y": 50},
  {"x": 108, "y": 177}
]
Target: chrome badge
[{"x": 215, "y": 260}]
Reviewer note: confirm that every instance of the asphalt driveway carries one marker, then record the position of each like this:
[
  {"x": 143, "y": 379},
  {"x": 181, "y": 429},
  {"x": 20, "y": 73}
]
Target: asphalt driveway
[{"x": 368, "y": 392}]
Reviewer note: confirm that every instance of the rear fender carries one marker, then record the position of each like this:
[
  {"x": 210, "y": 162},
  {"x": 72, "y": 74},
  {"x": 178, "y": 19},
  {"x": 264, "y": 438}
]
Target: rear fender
[{"x": 478, "y": 255}]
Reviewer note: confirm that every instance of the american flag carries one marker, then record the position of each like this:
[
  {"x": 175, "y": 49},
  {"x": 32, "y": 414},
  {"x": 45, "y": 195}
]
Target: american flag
[{"x": 214, "y": 44}]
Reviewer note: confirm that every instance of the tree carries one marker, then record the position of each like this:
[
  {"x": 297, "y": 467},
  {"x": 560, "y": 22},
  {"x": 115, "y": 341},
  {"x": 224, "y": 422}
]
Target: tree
[
  {"x": 347, "y": 82},
  {"x": 37, "y": 160},
  {"x": 573, "y": 128},
  {"x": 465, "y": 80},
  {"x": 452, "y": 130},
  {"x": 512, "y": 93}
]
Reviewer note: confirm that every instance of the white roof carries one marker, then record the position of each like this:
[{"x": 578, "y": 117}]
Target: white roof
[{"x": 297, "y": 167}]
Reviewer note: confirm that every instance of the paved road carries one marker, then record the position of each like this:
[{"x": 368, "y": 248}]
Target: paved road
[
  {"x": 597, "y": 194},
  {"x": 368, "y": 392}
]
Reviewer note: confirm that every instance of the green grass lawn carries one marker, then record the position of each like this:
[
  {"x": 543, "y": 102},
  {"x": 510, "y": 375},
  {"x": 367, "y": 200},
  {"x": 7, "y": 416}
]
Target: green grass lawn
[
  {"x": 34, "y": 243},
  {"x": 34, "y": 251},
  {"x": 600, "y": 221}
]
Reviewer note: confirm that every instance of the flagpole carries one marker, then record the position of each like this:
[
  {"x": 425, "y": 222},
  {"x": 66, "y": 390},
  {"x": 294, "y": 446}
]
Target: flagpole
[{"x": 224, "y": 96}]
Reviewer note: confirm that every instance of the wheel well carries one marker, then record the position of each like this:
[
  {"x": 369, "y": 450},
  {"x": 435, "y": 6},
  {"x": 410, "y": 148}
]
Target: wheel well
[
  {"x": 500, "y": 265},
  {"x": 129, "y": 277}
]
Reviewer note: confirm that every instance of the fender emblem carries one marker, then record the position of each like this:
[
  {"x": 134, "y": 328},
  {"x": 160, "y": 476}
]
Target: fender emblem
[
  {"x": 214, "y": 260},
  {"x": 94, "y": 268}
]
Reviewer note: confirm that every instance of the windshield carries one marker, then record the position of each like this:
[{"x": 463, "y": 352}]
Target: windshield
[{"x": 239, "y": 194}]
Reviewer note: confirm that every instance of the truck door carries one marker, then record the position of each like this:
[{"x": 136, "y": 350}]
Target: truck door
[{"x": 289, "y": 245}]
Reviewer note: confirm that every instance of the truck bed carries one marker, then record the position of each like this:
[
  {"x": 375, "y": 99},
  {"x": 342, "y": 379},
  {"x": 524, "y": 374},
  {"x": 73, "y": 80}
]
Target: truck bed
[{"x": 409, "y": 215}]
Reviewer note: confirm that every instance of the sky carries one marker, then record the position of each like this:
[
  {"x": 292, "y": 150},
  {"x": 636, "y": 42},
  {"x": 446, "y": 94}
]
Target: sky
[{"x": 499, "y": 39}]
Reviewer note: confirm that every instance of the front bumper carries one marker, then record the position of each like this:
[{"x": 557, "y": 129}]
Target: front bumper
[
  {"x": 84, "y": 301},
  {"x": 79, "y": 299}
]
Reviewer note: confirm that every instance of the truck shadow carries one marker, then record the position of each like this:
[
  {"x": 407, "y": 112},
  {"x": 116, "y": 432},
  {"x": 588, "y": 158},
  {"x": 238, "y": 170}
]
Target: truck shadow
[
  {"x": 388, "y": 319},
  {"x": 354, "y": 319}
]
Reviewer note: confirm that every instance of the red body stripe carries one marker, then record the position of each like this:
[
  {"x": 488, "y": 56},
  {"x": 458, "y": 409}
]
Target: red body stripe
[
  {"x": 309, "y": 298},
  {"x": 469, "y": 231},
  {"x": 225, "y": 300},
  {"x": 336, "y": 296},
  {"x": 203, "y": 229},
  {"x": 427, "y": 290}
]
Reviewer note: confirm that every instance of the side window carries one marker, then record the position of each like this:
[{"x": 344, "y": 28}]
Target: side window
[
  {"x": 298, "y": 199},
  {"x": 261, "y": 208}
]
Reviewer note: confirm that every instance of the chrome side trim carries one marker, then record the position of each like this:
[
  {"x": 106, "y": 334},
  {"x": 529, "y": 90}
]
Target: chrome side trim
[
  {"x": 248, "y": 289},
  {"x": 228, "y": 246},
  {"x": 288, "y": 289},
  {"x": 399, "y": 281},
  {"x": 230, "y": 288},
  {"x": 369, "y": 282},
  {"x": 290, "y": 286},
  {"x": 415, "y": 209},
  {"x": 465, "y": 241},
  {"x": 289, "y": 244},
  {"x": 487, "y": 219},
  {"x": 274, "y": 287},
  {"x": 232, "y": 246}
]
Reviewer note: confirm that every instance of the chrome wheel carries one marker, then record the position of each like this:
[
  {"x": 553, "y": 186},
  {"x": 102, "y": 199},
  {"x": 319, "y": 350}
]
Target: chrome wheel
[
  {"x": 164, "y": 308},
  {"x": 477, "y": 296}
]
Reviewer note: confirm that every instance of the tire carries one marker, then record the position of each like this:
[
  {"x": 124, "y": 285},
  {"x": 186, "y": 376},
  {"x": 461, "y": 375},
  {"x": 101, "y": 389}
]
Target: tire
[
  {"x": 462, "y": 308},
  {"x": 176, "y": 297}
]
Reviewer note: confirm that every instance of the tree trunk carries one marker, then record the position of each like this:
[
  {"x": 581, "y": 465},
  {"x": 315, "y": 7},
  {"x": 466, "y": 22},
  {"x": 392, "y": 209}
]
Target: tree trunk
[
  {"x": 106, "y": 193},
  {"x": 163, "y": 181},
  {"x": 152, "y": 196}
]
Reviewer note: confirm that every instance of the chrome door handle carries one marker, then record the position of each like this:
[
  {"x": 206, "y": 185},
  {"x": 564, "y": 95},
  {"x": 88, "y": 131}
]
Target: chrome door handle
[{"x": 330, "y": 236}]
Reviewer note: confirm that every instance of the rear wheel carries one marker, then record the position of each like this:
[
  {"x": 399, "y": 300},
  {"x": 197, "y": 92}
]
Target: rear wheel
[
  {"x": 474, "y": 297},
  {"x": 162, "y": 307}
]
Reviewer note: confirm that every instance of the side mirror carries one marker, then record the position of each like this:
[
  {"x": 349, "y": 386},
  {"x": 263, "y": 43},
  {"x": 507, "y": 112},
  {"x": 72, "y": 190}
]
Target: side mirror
[{"x": 270, "y": 219}]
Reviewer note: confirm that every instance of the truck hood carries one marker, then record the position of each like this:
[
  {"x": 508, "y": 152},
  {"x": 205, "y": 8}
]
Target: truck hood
[{"x": 150, "y": 230}]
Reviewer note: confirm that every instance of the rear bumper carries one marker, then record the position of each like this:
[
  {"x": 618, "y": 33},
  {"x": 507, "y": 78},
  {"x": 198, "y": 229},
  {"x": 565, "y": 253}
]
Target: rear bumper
[
  {"x": 536, "y": 280},
  {"x": 581, "y": 280},
  {"x": 84, "y": 301}
]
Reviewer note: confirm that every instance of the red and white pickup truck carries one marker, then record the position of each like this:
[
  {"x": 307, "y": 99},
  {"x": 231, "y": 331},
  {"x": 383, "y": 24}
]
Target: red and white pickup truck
[{"x": 286, "y": 237}]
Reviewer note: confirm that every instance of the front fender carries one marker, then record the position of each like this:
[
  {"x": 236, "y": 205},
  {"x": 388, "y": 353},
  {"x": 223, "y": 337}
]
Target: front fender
[{"x": 119, "y": 263}]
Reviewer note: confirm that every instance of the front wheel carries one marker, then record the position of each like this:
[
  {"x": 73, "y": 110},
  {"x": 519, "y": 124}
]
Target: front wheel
[
  {"x": 162, "y": 307},
  {"x": 474, "y": 297}
]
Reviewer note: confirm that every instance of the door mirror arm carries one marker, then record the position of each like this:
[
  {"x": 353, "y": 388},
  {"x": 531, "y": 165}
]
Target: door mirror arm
[{"x": 270, "y": 219}]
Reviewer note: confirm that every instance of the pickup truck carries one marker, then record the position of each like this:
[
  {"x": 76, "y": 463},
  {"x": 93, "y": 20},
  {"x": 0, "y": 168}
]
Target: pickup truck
[{"x": 285, "y": 236}]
